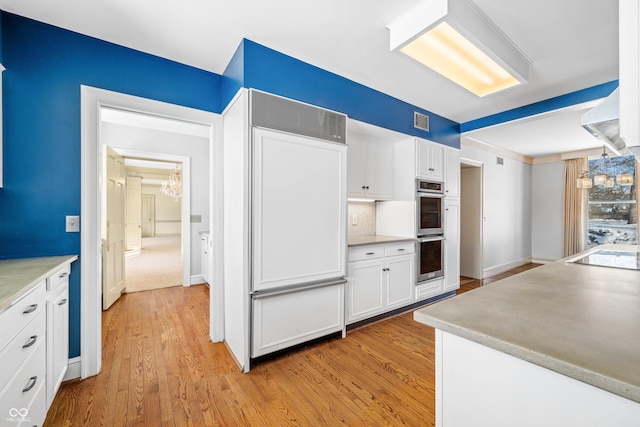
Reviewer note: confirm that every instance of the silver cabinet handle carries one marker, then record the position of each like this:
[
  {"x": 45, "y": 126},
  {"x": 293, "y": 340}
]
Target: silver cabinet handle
[
  {"x": 32, "y": 382},
  {"x": 31, "y": 341},
  {"x": 370, "y": 253},
  {"x": 63, "y": 302},
  {"x": 63, "y": 275},
  {"x": 401, "y": 250},
  {"x": 385, "y": 269},
  {"x": 31, "y": 309}
]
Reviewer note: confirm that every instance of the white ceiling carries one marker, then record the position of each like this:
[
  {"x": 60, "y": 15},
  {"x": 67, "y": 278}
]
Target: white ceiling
[{"x": 573, "y": 44}]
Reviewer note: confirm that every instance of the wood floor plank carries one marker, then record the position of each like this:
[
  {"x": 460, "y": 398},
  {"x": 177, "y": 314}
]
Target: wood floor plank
[{"x": 159, "y": 368}]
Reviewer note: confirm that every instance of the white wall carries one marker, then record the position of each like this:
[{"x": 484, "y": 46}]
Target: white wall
[
  {"x": 167, "y": 212},
  {"x": 507, "y": 209},
  {"x": 197, "y": 148},
  {"x": 547, "y": 211}
]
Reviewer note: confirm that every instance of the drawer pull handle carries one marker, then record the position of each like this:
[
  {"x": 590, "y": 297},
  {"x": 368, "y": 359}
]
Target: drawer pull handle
[
  {"x": 62, "y": 276},
  {"x": 400, "y": 250},
  {"x": 31, "y": 341},
  {"x": 370, "y": 253},
  {"x": 63, "y": 302},
  {"x": 32, "y": 383},
  {"x": 31, "y": 309}
]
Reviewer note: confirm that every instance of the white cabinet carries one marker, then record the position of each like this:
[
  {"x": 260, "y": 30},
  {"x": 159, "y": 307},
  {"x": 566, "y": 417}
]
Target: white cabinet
[
  {"x": 429, "y": 289},
  {"x": 22, "y": 358},
  {"x": 381, "y": 279},
  {"x": 629, "y": 19},
  {"x": 204, "y": 255},
  {"x": 57, "y": 330},
  {"x": 452, "y": 173},
  {"x": 451, "y": 245},
  {"x": 369, "y": 167},
  {"x": 429, "y": 160}
]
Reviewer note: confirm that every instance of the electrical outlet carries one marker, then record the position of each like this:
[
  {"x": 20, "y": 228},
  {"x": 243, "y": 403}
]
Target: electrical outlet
[
  {"x": 72, "y": 224},
  {"x": 196, "y": 218},
  {"x": 354, "y": 219}
]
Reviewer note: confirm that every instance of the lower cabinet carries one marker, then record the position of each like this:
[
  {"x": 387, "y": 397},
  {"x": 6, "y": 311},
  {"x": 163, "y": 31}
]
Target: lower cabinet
[
  {"x": 381, "y": 279},
  {"x": 57, "y": 339},
  {"x": 451, "y": 245},
  {"x": 204, "y": 239}
]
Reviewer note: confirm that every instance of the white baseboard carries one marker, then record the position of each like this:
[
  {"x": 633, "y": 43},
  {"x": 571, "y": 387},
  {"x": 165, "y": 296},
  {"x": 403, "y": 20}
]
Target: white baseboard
[
  {"x": 540, "y": 260},
  {"x": 488, "y": 272},
  {"x": 74, "y": 369},
  {"x": 197, "y": 279}
]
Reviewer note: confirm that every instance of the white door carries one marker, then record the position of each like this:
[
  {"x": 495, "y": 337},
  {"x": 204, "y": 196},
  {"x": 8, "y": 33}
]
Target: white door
[
  {"x": 452, "y": 245},
  {"x": 299, "y": 210},
  {"x": 114, "y": 245},
  {"x": 148, "y": 215},
  {"x": 365, "y": 290},
  {"x": 379, "y": 170},
  {"x": 134, "y": 213},
  {"x": 400, "y": 282}
]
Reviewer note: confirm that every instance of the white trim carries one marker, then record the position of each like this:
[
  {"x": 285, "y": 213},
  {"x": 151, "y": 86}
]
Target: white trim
[
  {"x": 471, "y": 142},
  {"x": 185, "y": 201},
  {"x": 489, "y": 272},
  {"x": 92, "y": 99},
  {"x": 196, "y": 279},
  {"x": 73, "y": 369},
  {"x": 541, "y": 260}
]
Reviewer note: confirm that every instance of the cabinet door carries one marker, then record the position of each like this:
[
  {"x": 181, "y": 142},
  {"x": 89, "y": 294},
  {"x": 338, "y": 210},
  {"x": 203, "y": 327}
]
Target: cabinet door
[
  {"x": 437, "y": 161},
  {"x": 379, "y": 170},
  {"x": 400, "y": 281},
  {"x": 452, "y": 245},
  {"x": 452, "y": 170},
  {"x": 429, "y": 160},
  {"x": 355, "y": 166},
  {"x": 204, "y": 240},
  {"x": 57, "y": 339},
  {"x": 365, "y": 290}
]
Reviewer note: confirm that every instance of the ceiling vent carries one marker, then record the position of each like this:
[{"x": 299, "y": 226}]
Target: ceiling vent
[{"x": 420, "y": 121}]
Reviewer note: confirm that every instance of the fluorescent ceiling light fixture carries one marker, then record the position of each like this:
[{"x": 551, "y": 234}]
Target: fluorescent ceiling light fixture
[{"x": 457, "y": 40}]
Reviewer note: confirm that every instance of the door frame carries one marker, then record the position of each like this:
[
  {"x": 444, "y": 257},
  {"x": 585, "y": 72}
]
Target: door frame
[
  {"x": 480, "y": 219},
  {"x": 92, "y": 100}
]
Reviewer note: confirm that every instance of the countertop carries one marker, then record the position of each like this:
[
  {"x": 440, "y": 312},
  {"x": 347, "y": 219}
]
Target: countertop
[
  {"x": 19, "y": 276},
  {"x": 368, "y": 240},
  {"x": 578, "y": 320}
]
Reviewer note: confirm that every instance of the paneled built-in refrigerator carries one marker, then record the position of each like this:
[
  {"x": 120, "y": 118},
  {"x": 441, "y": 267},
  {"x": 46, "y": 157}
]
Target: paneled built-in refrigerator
[{"x": 294, "y": 211}]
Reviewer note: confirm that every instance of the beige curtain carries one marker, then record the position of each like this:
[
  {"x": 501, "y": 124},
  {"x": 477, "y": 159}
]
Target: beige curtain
[{"x": 575, "y": 207}]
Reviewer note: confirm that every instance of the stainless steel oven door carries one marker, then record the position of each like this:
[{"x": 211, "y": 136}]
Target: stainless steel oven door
[
  {"x": 430, "y": 258},
  {"x": 429, "y": 214}
]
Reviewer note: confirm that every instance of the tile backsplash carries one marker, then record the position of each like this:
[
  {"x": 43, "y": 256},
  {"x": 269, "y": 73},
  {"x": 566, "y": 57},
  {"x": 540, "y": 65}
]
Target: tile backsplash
[{"x": 366, "y": 219}]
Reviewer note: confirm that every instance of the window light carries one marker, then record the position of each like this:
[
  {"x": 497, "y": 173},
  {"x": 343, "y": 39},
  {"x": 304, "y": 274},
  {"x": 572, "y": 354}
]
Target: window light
[{"x": 454, "y": 38}]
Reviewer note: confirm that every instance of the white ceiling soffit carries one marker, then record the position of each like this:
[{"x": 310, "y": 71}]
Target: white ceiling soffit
[
  {"x": 573, "y": 44},
  {"x": 546, "y": 134},
  {"x": 147, "y": 121}
]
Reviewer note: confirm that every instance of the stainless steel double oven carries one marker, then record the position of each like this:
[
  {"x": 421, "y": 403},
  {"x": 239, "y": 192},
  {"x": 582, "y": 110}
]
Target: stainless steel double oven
[{"x": 430, "y": 229}]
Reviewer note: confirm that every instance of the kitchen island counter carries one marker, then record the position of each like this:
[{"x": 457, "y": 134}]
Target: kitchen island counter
[{"x": 577, "y": 320}]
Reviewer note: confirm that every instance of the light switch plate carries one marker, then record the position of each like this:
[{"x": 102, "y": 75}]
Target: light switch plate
[
  {"x": 196, "y": 218},
  {"x": 72, "y": 224}
]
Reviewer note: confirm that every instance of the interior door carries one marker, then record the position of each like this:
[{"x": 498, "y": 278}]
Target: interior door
[
  {"x": 148, "y": 215},
  {"x": 113, "y": 282},
  {"x": 134, "y": 213}
]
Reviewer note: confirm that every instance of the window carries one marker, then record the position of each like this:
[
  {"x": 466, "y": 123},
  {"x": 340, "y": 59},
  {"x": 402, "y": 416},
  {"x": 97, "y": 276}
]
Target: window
[{"x": 613, "y": 213}]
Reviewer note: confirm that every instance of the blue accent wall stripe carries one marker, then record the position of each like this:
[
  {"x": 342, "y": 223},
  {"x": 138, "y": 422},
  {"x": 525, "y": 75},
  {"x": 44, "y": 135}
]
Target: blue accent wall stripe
[
  {"x": 562, "y": 101},
  {"x": 277, "y": 73}
]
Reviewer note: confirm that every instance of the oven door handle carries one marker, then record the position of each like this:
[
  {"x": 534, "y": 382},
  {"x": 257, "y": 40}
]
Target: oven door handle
[
  {"x": 431, "y": 195},
  {"x": 430, "y": 239}
]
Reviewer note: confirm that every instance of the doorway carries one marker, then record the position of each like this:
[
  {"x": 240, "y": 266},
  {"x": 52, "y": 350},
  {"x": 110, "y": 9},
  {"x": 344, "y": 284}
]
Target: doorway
[
  {"x": 471, "y": 219},
  {"x": 93, "y": 103}
]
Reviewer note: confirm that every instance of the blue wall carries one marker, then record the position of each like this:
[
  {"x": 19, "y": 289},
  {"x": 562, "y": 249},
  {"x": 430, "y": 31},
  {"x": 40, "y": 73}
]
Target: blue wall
[
  {"x": 45, "y": 68},
  {"x": 274, "y": 72}
]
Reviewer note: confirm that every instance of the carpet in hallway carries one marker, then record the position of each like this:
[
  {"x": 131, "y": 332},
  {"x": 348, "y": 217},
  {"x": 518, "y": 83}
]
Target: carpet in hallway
[{"x": 159, "y": 265}]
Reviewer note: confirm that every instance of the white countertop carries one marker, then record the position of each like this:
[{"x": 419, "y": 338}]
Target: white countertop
[
  {"x": 578, "y": 320},
  {"x": 19, "y": 276},
  {"x": 368, "y": 240}
]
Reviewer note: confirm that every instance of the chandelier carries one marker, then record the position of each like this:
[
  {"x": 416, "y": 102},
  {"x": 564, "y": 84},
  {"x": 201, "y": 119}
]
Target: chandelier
[
  {"x": 601, "y": 177},
  {"x": 173, "y": 187}
]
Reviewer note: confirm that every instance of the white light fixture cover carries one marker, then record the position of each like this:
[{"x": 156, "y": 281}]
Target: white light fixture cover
[{"x": 457, "y": 40}]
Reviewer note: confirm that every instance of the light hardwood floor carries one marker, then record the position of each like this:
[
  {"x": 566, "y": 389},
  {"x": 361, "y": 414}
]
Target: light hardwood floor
[{"x": 159, "y": 368}]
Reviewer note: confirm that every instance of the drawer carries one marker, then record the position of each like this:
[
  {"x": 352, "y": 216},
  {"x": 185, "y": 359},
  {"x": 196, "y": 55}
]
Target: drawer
[
  {"x": 429, "y": 289},
  {"x": 360, "y": 253},
  {"x": 59, "y": 277},
  {"x": 399, "y": 248},
  {"x": 25, "y": 390},
  {"x": 21, "y": 347},
  {"x": 16, "y": 317}
]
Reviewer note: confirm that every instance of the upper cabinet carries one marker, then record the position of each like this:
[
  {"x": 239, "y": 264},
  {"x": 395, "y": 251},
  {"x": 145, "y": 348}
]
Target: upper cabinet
[
  {"x": 629, "y": 12},
  {"x": 452, "y": 173},
  {"x": 369, "y": 167},
  {"x": 1, "y": 171},
  {"x": 429, "y": 160}
]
